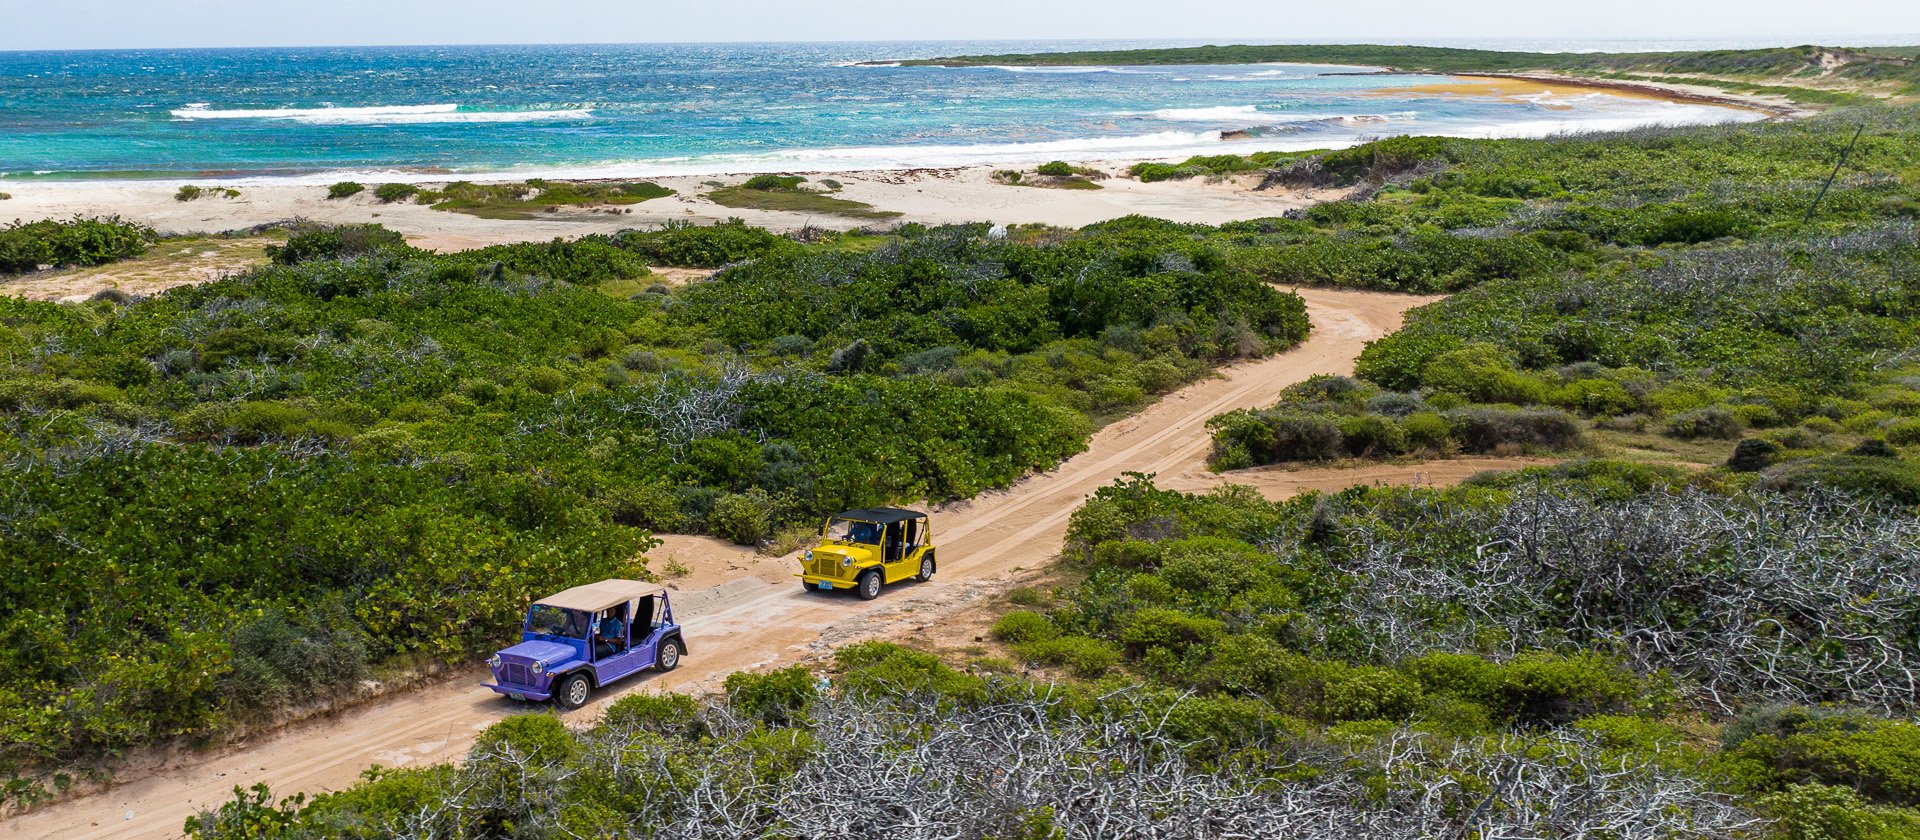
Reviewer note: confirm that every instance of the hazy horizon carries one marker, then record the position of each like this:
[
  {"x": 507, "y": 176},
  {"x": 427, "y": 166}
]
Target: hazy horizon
[{"x": 123, "y": 24}]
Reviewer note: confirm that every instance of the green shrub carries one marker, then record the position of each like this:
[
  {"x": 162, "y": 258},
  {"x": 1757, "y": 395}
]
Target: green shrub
[
  {"x": 1023, "y": 626},
  {"x": 333, "y": 242},
  {"x": 546, "y": 380},
  {"x": 1380, "y": 159},
  {"x": 673, "y": 715},
  {"x": 1773, "y": 748},
  {"x": 1427, "y": 430},
  {"x": 1693, "y": 226},
  {"x": 743, "y": 518},
  {"x": 1168, "y": 630},
  {"x": 188, "y": 192},
  {"x": 1594, "y": 397},
  {"x": 778, "y": 698},
  {"x": 1482, "y": 373},
  {"x": 1054, "y": 169},
  {"x": 345, "y": 189},
  {"x": 1753, "y": 455},
  {"x": 1711, "y": 422},
  {"x": 1893, "y": 479},
  {"x": 1362, "y": 693},
  {"x": 1084, "y": 657},
  {"x": 882, "y": 669},
  {"x": 1490, "y": 429},
  {"x": 390, "y": 193},
  {"x": 1826, "y": 812},
  {"x": 709, "y": 246},
  {"x": 1372, "y": 436},
  {"x": 774, "y": 182},
  {"x": 541, "y": 738},
  {"x": 1903, "y": 432},
  {"x": 26, "y": 246}
]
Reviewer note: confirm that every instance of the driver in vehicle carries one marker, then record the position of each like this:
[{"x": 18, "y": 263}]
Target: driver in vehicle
[
  {"x": 864, "y": 533},
  {"x": 612, "y": 634}
]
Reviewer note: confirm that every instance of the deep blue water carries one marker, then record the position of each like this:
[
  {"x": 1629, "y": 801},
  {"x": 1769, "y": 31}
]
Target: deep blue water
[{"x": 673, "y": 109}]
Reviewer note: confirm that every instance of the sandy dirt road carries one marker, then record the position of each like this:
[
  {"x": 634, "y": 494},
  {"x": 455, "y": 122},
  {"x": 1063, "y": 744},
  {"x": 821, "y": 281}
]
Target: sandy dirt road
[{"x": 744, "y": 612}]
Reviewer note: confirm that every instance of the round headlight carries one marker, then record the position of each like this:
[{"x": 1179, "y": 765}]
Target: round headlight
[
  {"x": 539, "y": 667},
  {"x": 809, "y": 555},
  {"x": 846, "y": 561},
  {"x": 493, "y": 661}
]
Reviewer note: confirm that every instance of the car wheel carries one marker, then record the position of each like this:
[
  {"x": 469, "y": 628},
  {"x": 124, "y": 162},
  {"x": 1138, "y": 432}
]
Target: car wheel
[
  {"x": 574, "y": 691},
  {"x": 926, "y": 569},
  {"x": 870, "y": 585},
  {"x": 669, "y": 656}
]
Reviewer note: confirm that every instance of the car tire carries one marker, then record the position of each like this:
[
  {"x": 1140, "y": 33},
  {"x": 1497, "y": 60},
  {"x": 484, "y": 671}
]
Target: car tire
[
  {"x": 574, "y": 691},
  {"x": 669, "y": 656},
  {"x": 926, "y": 569},
  {"x": 869, "y": 587}
]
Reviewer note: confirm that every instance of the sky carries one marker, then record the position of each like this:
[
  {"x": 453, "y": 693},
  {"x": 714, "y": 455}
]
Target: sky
[{"x": 116, "y": 24}]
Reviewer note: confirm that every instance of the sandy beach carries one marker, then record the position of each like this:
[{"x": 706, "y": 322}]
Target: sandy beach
[{"x": 931, "y": 196}]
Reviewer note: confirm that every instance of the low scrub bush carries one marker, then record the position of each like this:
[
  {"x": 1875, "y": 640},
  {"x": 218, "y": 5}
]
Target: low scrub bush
[
  {"x": 773, "y": 182},
  {"x": 27, "y": 246},
  {"x": 390, "y": 193}
]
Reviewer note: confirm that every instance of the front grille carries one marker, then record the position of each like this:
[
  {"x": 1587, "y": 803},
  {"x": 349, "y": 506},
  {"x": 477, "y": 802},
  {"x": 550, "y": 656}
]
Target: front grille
[{"x": 517, "y": 674}]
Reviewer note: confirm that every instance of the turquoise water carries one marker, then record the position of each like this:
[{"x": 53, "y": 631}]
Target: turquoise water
[{"x": 582, "y": 111}]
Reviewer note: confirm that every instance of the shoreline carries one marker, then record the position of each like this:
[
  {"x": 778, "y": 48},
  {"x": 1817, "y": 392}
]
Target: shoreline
[
  {"x": 1775, "y": 107},
  {"x": 925, "y": 195}
]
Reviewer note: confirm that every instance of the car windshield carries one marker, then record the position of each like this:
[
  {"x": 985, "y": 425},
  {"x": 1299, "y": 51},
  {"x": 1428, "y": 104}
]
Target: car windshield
[
  {"x": 853, "y": 531},
  {"x": 554, "y": 621}
]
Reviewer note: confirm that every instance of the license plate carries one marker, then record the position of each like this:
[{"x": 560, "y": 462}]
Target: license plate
[
  {"x": 516, "y": 695},
  {"x": 825, "y": 585}
]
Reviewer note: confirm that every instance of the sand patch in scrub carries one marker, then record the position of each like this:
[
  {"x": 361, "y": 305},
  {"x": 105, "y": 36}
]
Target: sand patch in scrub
[{"x": 169, "y": 263}]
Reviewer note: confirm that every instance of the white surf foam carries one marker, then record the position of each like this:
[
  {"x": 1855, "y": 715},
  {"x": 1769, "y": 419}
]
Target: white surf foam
[{"x": 1215, "y": 113}]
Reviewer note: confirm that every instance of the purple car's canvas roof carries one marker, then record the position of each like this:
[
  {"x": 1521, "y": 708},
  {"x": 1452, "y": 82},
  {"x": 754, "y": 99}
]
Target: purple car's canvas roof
[{"x": 599, "y": 596}]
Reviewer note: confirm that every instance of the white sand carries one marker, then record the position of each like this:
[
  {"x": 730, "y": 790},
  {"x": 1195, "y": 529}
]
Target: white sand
[{"x": 924, "y": 195}]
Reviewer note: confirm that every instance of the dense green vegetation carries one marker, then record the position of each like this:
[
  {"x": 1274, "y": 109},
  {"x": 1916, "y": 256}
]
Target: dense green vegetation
[
  {"x": 250, "y": 493},
  {"x": 1698, "y": 302},
  {"x": 1622, "y": 610},
  {"x": 1210, "y": 166},
  {"x": 27, "y": 246},
  {"x": 1431, "y": 214},
  {"x": 785, "y": 193},
  {"x": 346, "y": 189},
  {"x": 1803, "y": 62}
]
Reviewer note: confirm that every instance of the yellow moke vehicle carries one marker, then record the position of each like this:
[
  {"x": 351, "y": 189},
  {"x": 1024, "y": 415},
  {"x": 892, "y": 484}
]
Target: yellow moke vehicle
[{"x": 863, "y": 550}]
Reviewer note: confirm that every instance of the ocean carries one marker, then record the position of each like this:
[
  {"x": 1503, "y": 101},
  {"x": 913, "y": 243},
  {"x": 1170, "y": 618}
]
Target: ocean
[{"x": 429, "y": 113}]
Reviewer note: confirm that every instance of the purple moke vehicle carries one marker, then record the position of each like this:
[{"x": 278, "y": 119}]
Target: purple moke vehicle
[{"x": 587, "y": 637}]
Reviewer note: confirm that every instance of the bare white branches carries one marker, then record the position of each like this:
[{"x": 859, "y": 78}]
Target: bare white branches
[
  {"x": 1787, "y": 598},
  {"x": 685, "y": 408},
  {"x": 918, "y": 769}
]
